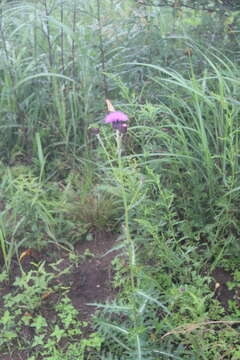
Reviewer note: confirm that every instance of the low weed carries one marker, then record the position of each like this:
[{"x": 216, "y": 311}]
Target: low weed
[
  {"x": 37, "y": 318},
  {"x": 27, "y": 218}
]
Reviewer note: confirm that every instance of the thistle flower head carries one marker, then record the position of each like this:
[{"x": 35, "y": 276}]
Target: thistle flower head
[{"x": 115, "y": 117}]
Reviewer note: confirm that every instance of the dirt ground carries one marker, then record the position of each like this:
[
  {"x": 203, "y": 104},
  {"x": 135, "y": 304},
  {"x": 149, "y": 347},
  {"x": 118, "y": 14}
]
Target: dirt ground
[{"x": 220, "y": 286}]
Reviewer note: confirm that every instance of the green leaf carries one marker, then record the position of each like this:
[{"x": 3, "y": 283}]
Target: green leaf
[{"x": 58, "y": 333}]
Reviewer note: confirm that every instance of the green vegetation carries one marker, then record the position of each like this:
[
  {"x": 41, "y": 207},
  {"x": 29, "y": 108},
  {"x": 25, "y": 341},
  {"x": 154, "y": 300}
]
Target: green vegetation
[{"x": 166, "y": 186}]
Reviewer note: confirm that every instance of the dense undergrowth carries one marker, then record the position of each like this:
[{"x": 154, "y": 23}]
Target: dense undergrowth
[{"x": 169, "y": 186}]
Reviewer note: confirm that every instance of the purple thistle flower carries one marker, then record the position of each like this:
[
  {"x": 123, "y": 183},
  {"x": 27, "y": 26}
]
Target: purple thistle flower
[{"x": 115, "y": 117}]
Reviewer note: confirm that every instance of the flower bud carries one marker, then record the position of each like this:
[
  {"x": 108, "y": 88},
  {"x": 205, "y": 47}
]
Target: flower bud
[{"x": 95, "y": 131}]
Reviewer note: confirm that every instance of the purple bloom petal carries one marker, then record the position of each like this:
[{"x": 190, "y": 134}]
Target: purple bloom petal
[{"x": 115, "y": 116}]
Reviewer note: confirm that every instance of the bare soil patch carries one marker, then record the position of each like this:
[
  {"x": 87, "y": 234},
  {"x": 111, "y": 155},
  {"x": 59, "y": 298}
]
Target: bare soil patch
[
  {"x": 222, "y": 292},
  {"x": 91, "y": 280}
]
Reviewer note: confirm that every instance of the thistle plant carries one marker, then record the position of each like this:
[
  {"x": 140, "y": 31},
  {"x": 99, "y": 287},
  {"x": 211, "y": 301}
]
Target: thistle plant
[
  {"x": 119, "y": 120},
  {"x": 132, "y": 332}
]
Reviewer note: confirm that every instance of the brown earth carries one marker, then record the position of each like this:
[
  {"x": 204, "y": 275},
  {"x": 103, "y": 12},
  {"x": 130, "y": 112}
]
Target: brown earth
[
  {"x": 222, "y": 292},
  {"x": 91, "y": 280}
]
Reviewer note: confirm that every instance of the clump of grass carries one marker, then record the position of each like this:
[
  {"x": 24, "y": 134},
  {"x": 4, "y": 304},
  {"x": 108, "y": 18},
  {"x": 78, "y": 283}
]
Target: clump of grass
[
  {"x": 27, "y": 216},
  {"x": 92, "y": 211}
]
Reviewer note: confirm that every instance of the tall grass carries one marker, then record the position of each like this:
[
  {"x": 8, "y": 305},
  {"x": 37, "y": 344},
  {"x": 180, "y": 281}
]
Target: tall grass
[
  {"x": 54, "y": 60},
  {"x": 48, "y": 71},
  {"x": 190, "y": 136}
]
